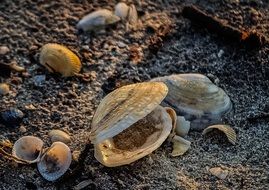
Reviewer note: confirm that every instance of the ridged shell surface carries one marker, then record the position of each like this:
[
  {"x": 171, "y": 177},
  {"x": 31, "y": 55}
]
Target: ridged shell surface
[
  {"x": 55, "y": 161},
  {"x": 28, "y": 148},
  {"x": 125, "y": 106},
  {"x": 196, "y": 98},
  {"x": 58, "y": 58}
]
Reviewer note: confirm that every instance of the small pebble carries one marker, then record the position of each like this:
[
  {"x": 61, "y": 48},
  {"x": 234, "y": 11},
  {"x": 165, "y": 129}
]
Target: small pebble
[
  {"x": 4, "y": 89},
  {"x": 11, "y": 117},
  {"x": 39, "y": 80},
  {"x": 22, "y": 129},
  {"x": 4, "y": 50},
  {"x": 219, "y": 172},
  {"x": 220, "y": 54}
]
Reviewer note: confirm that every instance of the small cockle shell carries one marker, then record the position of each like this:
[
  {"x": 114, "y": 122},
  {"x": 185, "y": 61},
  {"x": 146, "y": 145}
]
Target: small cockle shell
[
  {"x": 55, "y": 161},
  {"x": 196, "y": 98},
  {"x": 59, "y": 59},
  {"x": 97, "y": 19},
  {"x": 132, "y": 15},
  {"x": 180, "y": 146},
  {"x": 121, "y": 10},
  {"x": 129, "y": 123},
  {"x": 4, "y": 89},
  {"x": 226, "y": 129},
  {"x": 58, "y": 135},
  {"x": 28, "y": 149}
]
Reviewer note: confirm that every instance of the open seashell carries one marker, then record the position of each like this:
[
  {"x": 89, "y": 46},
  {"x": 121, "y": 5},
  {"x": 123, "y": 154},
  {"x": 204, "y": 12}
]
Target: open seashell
[
  {"x": 97, "y": 19},
  {"x": 226, "y": 129},
  {"x": 182, "y": 126},
  {"x": 28, "y": 149},
  {"x": 129, "y": 123},
  {"x": 121, "y": 10},
  {"x": 58, "y": 135},
  {"x": 59, "y": 59},
  {"x": 55, "y": 161},
  {"x": 180, "y": 146},
  {"x": 196, "y": 98}
]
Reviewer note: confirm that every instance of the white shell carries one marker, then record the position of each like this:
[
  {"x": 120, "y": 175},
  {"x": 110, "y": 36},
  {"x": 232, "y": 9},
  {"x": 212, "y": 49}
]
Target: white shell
[
  {"x": 55, "y": 161},
  {"x": 121, "y": 10},
  {"x": 97, "y": 19},
  {"x": 180, "y": 146},
  {"x": 182, "y": 126},
  {"x": 58, "y": 135},
  {"x": 196, "y": 98},
  {"x": 28, "y": 148}
]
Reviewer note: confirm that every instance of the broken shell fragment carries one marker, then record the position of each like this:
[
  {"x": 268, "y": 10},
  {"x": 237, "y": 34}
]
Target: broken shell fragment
[
  {"x": 196, "y": 98},
  {"x": 132, "y": 15},
  {"x": 97, "y": 20},
  {"x": 121, "y": 10},
  {"x": 129, "y": 123},
  {"x": 28, "y": 149},
  {"x": 59, "y": 59},
  {"x": 182, "y": 126},
  {"x": 58, "y": 135},
  {"x": 219, "y": 172},
  {"x": 55, "y": 161},
  {"x": 180, "y": 146},
  {"x": 226, "y": 129},
  {"x": 4, "y": 89}
]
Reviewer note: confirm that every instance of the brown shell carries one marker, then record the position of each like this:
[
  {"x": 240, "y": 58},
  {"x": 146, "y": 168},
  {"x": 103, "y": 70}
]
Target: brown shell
[
  {"x": 226, "y": 129},
  {"x": 58, "y": 58},
  {"x": 125, "y": 106}
]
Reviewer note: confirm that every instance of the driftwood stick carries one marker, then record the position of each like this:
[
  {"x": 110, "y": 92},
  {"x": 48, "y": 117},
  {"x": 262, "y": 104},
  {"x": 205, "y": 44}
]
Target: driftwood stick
[{"x": 220, "y": 27}]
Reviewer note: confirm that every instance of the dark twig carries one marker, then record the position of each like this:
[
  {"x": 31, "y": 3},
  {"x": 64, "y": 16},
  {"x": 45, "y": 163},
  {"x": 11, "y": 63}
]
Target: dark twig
[
  {"x": 260, "y": 115},
  {"x": 249, "y": 38}
]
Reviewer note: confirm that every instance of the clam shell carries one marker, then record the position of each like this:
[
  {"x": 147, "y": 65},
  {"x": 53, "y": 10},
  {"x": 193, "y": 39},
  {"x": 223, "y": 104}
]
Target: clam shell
[
  {"x": 4, "y": 89},
  {"x": 196, "y": 98},
  {"x": 97, "y": 19},
  {"x": 58, "y": 135},
  {"x": 58, "y": 58},
  {"x": 226, "y": 129},
  {"x": 180, "y": 146},
  {"x": 125, "y": 106},
  {"x": 182, "y": 126},
  {"x": 121, "y": 10},
  {"x": 55, "y": 161},
  {"x": 137, "y": 141},
  {"x": 132, "y": 15},
  {"x": 28, "y": 148}
]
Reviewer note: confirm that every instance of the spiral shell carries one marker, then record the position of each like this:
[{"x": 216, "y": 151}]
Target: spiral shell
[{"x": 59, "y": 59}]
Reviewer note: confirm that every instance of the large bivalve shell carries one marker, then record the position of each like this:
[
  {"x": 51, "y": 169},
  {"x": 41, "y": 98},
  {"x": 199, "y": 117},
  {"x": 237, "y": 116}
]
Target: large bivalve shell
[
  {"x": 196, "y": 98},
  {"x": 28, "y": 149},
  {"x": 59, "y": 59},
  {"x": 97, "y": 19},
  {"x": 55, "y": 161},
  {"x": 129, "y": 123}
]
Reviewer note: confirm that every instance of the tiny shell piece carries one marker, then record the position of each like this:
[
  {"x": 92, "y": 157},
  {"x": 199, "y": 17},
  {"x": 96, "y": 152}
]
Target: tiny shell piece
[
  {"x": 180, "y": 146},
  {"x": 219, "y": 172},
  {"x": 121, "y": 10},
  {"x": 58, "y": 58},
  {"x": 55, "y": 161},
  {"x": 58, "y": 135},
  {"x": 132, "y": 16},
  {"x": 226, "y": 129},
  {"x": 4, "y": 89},
  {"x": 28, "y": 148},
  {"x": 97, "y": 19},
  {"x": 182, "y": 126}
]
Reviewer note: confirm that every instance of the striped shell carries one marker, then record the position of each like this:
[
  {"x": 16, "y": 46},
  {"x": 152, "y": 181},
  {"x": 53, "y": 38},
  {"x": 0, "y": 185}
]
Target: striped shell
[
  {"x": 55, "y": 161},
  {"x": 59, "y": 59},
  {"x": 129, "y": 123},
  {"x": 226, "y": 129},
  {"x": 196, "y": 98}
]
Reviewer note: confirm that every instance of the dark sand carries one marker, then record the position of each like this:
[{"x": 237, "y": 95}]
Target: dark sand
[{"x": 69, "y": 103}]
